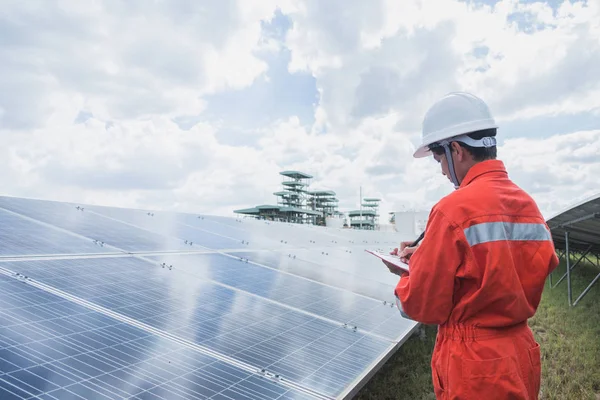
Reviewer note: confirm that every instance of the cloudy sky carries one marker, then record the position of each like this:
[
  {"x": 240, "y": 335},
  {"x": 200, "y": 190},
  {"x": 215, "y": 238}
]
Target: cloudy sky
[{"x": 197, "y": 105}]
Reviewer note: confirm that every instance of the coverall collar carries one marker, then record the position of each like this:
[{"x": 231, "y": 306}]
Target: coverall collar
[{"x": 481, "y": 168}]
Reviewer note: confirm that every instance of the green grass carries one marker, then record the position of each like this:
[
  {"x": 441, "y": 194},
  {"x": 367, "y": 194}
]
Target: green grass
[{"x": 569, "y": 336}]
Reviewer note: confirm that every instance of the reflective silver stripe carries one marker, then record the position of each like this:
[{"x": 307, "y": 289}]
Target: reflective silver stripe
[
  {"x": 496, "y": 231},
  {"x": 399, "y": 305}
]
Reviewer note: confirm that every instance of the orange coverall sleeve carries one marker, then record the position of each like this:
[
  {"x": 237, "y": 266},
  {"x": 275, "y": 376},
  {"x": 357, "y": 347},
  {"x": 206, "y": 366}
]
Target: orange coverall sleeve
[{"x": 426, "y": 292}]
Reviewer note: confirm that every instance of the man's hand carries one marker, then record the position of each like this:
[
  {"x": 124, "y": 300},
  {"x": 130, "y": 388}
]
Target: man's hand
[
  {"x": 405, "y": 251},
  {"x": 404, "y": 254},
  {"x": 393, "y": 269}
]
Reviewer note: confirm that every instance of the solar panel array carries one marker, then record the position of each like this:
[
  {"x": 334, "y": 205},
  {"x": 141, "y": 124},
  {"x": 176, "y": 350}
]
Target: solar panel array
[
  {"x": 108, "y": 303},
  {"x": 582, "y": 221}
]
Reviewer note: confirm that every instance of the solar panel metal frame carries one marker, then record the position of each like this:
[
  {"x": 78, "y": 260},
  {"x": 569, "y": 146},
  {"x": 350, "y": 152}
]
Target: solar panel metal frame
[{"x": 576, "y": 231}]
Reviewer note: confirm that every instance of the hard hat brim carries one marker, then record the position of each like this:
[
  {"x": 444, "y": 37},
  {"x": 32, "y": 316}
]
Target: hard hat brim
[{"x": 422, "y": 152}]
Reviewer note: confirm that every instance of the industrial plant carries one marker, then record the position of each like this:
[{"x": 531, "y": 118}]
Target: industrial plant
[{"x": 296, "y": 203}]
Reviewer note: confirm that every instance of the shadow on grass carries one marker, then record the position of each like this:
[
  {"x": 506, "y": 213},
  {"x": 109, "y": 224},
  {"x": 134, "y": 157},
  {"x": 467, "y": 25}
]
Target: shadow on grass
[{"x": 569, "y": 336}]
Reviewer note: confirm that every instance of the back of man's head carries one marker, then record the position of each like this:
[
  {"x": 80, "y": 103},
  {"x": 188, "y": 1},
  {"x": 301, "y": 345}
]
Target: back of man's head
[{"x": 481, "y": 153}]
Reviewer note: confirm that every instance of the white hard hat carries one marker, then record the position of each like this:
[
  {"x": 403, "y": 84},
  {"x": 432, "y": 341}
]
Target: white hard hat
[{"x": 454, "y": 116}]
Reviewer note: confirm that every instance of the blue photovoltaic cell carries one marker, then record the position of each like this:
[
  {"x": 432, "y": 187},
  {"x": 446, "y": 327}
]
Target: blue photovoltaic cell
[
  {"x": 93, "y": 226},
  {"x": 368, "y": 314},
  {"x": 51, "y": 348},
  {"x": 236, "y": 230},
  {"x": 21, "y": 236},
  {"x": 295, "y": 345},
  {"x": 202, "y": 230},
  {"x": 169, "y": 224},
  {"x": 352, "y": 265},
  {"x": 265, "y": 234},
  {"x": 323, "y": 272}
]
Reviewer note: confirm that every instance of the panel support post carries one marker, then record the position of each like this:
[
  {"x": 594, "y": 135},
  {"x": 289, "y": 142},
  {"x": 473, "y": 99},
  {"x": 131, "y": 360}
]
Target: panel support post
[{"x": 568, "y": 256}]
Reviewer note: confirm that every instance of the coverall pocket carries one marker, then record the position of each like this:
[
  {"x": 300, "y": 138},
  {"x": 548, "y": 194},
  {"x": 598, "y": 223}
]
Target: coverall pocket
[
  {"x": 438, "y": 387},
  {"x": 535, "y": 357},
  {"x": 489, "y": 379}
]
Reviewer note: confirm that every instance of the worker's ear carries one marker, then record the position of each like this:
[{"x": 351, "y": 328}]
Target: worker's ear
[{"x": 459, "y": 151}]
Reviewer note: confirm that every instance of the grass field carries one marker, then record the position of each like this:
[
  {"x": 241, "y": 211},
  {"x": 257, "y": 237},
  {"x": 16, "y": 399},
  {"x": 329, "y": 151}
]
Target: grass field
[{"x": 570, "y": 340}]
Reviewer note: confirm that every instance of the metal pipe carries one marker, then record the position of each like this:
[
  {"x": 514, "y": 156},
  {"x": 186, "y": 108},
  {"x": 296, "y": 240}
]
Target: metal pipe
[
  {"x": 576, "y": 220},
  {"x": 360, "y": 223},
  {"x": 589, "y": 260},
  {"x": 574, "y": 265},
  {"x": 568, "y": 267},
  {"x": 587, "y": 289}
]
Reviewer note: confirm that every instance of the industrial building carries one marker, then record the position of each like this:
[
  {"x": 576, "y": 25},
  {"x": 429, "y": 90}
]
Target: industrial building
[
  {"x": 367, "y": 217},
  {"x": 410, "y": 223},
  {"x": 296, "y": 203}
]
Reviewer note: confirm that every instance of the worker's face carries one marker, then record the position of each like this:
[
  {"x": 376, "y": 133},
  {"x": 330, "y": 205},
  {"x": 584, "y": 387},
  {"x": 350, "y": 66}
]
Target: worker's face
[
  {"x": 461, "y": 159},
  {"x": 441, "y": 159}
]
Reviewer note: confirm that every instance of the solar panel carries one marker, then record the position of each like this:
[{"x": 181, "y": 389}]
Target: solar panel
[
  {"x": 582, "y": 221},
  {"x": 108, "y": 231},
  {"x": 353, "y": 262},
  {"x": 21, "y": 236},
  {"x": 310, "y": 318},
  {"x": 342, "y": 306},
  {"x": 171, "y": 225},
  {"x": 287, "y": 235},
  {"x": 203, "y": 230},
  {"x": 53, "y": 348},
  {"x": 222, "y": 233},
  {"x": 333, "y": 274},
  {"x": 232, "y": 322}
]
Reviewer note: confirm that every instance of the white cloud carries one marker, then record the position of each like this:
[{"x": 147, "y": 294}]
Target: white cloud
[
  {"x": 557, "y": 170},
  {"x": 426, "y": 49},
  {"x": 127, "y": 59},
  {"x": 88, "y": 96}
]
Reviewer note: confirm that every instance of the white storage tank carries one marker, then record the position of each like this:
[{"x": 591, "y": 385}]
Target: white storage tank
[{"x": 410, "y": 223}]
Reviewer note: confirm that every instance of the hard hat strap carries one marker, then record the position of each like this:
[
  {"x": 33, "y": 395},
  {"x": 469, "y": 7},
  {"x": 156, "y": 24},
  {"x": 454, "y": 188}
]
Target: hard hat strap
[
  {"x": 448, "y": 152},
  {"x": 488, "y": 141}
]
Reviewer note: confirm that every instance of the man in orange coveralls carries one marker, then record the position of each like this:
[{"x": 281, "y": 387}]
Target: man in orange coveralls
[{"x": 480, "y": 270}]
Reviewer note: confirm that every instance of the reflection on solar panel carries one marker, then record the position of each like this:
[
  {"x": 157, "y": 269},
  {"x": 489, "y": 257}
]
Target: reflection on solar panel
[
  {"x": 59, "y": 349},
  {"x": 124, "y": 303},
  {"x": 20, "y": 236}
]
